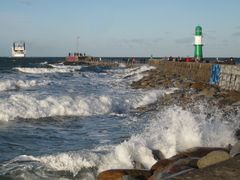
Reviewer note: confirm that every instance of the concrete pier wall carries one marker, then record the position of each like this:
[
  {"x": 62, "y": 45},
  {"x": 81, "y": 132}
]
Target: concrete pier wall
[
  {"x": 199, "y": 72},
  {"x": 229, "y": 77},
  {"x": 225, "y": 76}
]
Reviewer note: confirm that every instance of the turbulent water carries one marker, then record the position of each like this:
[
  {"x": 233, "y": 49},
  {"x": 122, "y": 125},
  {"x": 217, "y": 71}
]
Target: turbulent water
[{"x": 72, "y": 122}]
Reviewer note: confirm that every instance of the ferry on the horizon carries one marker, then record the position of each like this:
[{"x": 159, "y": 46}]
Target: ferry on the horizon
[{"x": 19, "y": 49}]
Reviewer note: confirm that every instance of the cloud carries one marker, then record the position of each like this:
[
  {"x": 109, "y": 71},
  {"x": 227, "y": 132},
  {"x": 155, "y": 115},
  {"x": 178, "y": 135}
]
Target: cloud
[
  {"x": 236, "y": 34},
  {"x": 237, "y": 27},
  {"x": 25, "y": 2}
]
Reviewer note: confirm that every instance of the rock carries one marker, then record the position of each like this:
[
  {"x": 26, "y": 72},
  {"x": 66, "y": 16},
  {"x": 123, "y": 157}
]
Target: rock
[
  {"x": 197, "y": 152},
  {"x": 138, "y": 165},
  {"x": 144, "y": 83},
  {"x": 213, "y": 158},
  {"x": 175, "y": 168},
  {"x": 157, "y": 155},
  {"x": 224, "y": 170},
  {"x": 236, "y": 103},
  {"x": 161, "y": 165},
  {"x": 128, "y": 177},
  {"x": 235, "y": 150},
  {"x": 179, "y": 166},
  {"x": 120, "y": 173},
  {"x": 237, "y": 134},
  {"x": 198, "y": 86},
  {"x": 208, "y": 92}
]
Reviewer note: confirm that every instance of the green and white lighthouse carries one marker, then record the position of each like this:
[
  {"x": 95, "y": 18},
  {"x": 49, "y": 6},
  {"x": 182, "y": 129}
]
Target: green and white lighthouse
[{"x": 198, "y": 53}]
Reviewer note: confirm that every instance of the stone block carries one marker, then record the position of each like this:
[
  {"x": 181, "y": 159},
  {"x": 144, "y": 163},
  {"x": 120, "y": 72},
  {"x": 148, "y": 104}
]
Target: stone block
[{"x": 213, "y": 157}]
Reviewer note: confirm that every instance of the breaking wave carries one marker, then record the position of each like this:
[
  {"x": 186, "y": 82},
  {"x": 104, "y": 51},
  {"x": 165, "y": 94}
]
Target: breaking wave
[
  {"x": 169, "y": 131},
  {"x": 20, "y": 84},
  {"x": 26, "y": 106},
  {"x": 44, "y": 70}
]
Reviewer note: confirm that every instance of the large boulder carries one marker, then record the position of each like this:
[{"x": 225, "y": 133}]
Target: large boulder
[
  {"x": 235, "y": 150},
  {"x": 198, "y": 86},
  {"x": 197, "y": 152},
  {"x": 213, "y": 157},
  {"x": 164, "y": 168},
  {"x": 118, "y": 174},
  {"x": 161, "y": 165}
]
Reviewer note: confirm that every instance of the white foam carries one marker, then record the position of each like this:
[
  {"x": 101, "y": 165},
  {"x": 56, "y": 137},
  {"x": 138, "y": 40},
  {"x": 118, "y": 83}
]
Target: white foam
[
  {"x": 6, "y": 85},
  {"x": 171, "y": 130},
  {"x": 126, "y": 154},
  {"x": 138, "y": 73},
  {"x": 132, "y": 74},
  {"x": 176, "y": 129},
  {"x": 26, "y": 106},
  {"x": 72, "y": 162},
  {"x": 62, "y": 66},
  {"x": 43, "y": 70},
  {"x": 148, "y": 97}
]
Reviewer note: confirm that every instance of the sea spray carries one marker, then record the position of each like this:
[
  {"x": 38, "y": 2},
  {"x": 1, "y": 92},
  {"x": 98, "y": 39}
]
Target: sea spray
[
  {"x": 171, "y": 130},
  {"x": 6, "y": 85},
  {"x": 43, "y": 70}
]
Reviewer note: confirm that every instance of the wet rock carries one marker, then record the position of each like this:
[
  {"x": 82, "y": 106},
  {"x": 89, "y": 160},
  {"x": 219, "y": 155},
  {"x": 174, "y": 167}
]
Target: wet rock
[
  {"x": 179, "y": 166},
  {"x": 197, "y": 152},
  {"x": 173, "y": 168},
  {"x": 157, "y": 155},
  {"x": 208, "y": 92},
  {"x": 213, "y": 158},
  {"x": 224, "y": 170},
  {"x": 198, "y": 86},
  {"x": 235, "y": 150},
  {"x": 128, "y": 177},
  {"x": 161, "y": 165},
  {"x": 236, "y": 103},
  {"x": 230, "y": 98},
  {"x": 138, "y": 165},
  {"x": 120, "y": 173},
  {"x": 237, "y": 134}
]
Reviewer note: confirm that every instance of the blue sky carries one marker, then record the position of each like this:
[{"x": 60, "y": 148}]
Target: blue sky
[{"x": 120, "y": 27}]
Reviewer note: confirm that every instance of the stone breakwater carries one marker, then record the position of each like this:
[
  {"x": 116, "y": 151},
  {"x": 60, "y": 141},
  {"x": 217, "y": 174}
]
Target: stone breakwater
[
  {"x": 192, "y": 83},
  {"x": 90, "y": 61},
  {"x": 186, "y": 165},
  {"x": 223, "y": 75}
]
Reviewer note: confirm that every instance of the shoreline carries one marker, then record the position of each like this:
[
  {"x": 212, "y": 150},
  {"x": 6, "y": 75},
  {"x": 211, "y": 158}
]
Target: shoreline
[{"x": 188, "y": 92}]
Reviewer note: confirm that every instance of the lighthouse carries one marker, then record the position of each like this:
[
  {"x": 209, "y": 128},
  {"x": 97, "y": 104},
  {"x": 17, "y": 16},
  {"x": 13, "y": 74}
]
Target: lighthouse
[{"x": 198, "y": 54}]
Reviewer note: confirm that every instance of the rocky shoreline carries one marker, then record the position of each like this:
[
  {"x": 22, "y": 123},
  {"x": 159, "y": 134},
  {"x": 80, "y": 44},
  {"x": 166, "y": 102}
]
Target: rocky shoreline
[{"x": 198, "y": 162}]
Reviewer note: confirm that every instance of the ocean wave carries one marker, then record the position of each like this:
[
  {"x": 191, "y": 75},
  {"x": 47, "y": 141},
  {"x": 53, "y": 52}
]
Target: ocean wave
[
  {"x": 30, "y": 106},
  {"x": 135, "y": 74},
  {"x": 62, "y": 66},
  {"x": 131, "y": 74},
  {"x": 172, "y": 130},
  {"x": 43, "y": 70},
  {"x": 25, "y": 106},
  {"x": 6, "y": 85}
]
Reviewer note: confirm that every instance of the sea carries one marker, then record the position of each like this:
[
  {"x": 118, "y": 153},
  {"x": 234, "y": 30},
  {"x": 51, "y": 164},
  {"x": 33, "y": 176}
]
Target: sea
[{"x": 73, "y": 122}]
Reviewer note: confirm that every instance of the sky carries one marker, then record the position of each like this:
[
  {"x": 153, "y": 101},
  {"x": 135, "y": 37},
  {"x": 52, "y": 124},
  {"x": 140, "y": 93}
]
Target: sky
[{"x": 120, "y": 27}]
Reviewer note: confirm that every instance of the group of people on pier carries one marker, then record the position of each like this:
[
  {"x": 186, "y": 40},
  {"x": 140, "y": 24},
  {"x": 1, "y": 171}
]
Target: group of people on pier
[{"x": 188, "y": 59}]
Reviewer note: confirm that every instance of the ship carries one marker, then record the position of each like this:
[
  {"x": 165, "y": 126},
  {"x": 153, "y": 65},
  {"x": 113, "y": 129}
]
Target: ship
[{"x": 19, "y": 49}]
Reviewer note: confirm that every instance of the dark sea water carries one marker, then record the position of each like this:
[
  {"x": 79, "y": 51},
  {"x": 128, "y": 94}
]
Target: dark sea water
[{"x": 72, "y": 122}]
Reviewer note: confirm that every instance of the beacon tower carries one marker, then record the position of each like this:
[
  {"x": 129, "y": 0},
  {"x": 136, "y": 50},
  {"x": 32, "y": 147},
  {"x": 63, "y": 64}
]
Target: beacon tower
[{"x": 198, "y": 54}]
